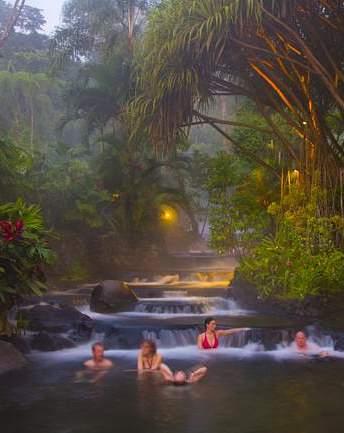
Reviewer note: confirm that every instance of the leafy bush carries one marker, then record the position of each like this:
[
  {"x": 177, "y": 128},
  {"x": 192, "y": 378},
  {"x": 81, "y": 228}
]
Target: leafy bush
[
  {"x": 238, "y": 199},
  {"x": 23, "y": 252},
  {"x": 289, "y": 266}
]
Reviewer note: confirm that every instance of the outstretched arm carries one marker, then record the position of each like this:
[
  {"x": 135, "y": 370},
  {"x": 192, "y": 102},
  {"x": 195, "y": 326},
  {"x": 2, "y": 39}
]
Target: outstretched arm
[
  {"x": 166, "y": 373},
  {"x": 197, "y": 375},
  {"x": 224, "y": 332},
  {"x": 139, "y": 362}
]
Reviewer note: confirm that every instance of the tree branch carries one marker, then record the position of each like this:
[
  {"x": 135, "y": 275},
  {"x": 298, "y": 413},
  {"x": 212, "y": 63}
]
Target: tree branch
[{"x": 11, "y": 21}]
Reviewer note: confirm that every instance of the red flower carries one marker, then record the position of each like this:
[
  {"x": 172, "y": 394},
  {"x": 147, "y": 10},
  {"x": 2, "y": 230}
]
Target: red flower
[{"x": 11, "y": 231}]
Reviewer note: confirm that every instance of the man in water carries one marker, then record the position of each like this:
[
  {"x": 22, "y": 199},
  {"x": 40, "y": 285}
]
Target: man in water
[
  {"x": 96, "y": 368},
  {"x": 98, "y": 361},
  {"x": 306, "y": 348},
  {"x": 180, "y": 378}
]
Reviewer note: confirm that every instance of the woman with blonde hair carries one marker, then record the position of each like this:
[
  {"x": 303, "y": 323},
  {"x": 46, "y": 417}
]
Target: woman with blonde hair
[{"x": 148, "y": 359}]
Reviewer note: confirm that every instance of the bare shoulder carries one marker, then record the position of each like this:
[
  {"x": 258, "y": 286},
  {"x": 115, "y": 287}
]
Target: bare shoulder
[
  {"x": 89, "y": 363},
  {"x": 107, "y": 363}
]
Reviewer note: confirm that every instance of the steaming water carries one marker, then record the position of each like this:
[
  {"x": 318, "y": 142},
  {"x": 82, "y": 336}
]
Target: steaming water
[
  {"x": 256, "y": 383},
  {"x": 176, "y": 306}
]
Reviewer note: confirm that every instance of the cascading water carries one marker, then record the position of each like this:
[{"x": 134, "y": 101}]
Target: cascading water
[
  {"x": 188, "y": 306},
  {"x": 167, "y": 338},
  {"x": 174, "y": 320}
]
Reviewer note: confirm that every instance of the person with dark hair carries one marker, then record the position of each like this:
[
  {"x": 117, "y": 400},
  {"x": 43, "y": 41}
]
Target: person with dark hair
[
  {"x": 98, "y": 361},
  {"x": 148, "y": 359},
  {"x": 96, "y": 368},
  {"x": 210, "y": 338},
  {"x": 180, "y": 378}
]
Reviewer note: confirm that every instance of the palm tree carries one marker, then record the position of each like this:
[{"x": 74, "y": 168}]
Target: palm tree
[
  {"x": 286, "y": 56},
  {"x": 11, "y": 21},
  {"x": 92, "y": 28}
]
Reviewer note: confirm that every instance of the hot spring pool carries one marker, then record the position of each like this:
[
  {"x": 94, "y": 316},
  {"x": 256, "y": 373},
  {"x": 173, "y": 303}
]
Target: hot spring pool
[{"x": 250, "y": 388}]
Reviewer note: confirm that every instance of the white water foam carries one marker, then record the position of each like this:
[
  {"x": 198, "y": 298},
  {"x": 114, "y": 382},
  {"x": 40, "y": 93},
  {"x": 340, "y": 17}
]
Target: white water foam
[
  {"x": 187, "y": 306},
  {"x": 165, "y": 308},
  {"x": 189, "y": 352}
]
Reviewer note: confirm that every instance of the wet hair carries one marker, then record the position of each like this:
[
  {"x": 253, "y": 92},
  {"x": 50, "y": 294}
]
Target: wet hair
[
  {"x": 207, "y": 321},
  {"x": 151, "y": 344},
  {"x": 302, "y": 332},
  {"x": 97, "y": 344},
  {"x": 182, "y": 382}
]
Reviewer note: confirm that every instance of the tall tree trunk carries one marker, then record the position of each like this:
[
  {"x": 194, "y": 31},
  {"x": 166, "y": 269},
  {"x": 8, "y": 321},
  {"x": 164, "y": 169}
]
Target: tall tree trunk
[
  {"x": 11, "y": 21},
  {"x": 131, "y": 22}
]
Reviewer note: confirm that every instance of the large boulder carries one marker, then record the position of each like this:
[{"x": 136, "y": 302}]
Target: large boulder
[
  {"x": 122, "y": 338},
  {"x": 111, "y": 296},
  {"x": 10, "y": 358},
  {"x": 58, "y": 318},
  {"x": 51, "y": 342}
]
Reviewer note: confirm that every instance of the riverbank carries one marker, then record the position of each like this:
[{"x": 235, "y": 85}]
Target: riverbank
[{"x": 312, "y": 307}]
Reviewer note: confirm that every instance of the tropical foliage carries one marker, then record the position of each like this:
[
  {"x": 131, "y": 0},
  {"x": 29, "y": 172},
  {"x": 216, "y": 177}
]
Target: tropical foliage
[
  {"x": 290, "y": 265},
  {"x": 283, "y": 57},
  {"x": 195, "y": 51},
  {"x": 227, "y": 112},
  {"x": 23, "y": 252}
]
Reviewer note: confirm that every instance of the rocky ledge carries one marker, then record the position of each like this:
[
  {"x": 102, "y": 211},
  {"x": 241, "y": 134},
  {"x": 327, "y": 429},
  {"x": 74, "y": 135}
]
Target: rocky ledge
[
  {"x": 10, "y": 358},
  {"x": 112, "y": 296},
  {"x": 57, "y": 318},
  {"x": 314, "y": 307}
]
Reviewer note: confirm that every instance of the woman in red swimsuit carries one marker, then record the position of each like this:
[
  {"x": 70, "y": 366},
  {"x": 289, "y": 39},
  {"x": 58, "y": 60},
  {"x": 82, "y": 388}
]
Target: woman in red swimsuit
[{"x": 210, "y": 338}]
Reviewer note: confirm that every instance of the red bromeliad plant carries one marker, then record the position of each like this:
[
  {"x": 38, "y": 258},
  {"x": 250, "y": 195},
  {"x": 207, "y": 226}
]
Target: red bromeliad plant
[
  {"x": 11, "y": 231},
  {"x": 23, "y": 252}
]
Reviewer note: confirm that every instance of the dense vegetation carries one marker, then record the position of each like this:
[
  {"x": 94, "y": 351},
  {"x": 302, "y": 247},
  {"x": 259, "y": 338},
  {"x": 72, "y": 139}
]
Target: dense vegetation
[
  {"x": 65, "y": 141},
  {"x": 278, "y": 197},
  {"x": 224, "y": 112}
]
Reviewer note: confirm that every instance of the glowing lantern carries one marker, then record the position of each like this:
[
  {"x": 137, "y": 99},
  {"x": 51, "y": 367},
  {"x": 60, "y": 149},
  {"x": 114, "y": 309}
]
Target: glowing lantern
[{"x": 168, "y": 214}]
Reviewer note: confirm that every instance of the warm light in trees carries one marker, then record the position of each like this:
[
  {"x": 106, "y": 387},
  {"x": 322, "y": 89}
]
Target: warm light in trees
[{"x": 168, "y": 214}]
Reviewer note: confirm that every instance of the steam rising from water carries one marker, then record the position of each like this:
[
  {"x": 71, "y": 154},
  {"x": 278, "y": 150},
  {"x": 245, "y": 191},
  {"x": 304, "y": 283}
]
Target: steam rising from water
[
  {"x": 187, "y": 353},
  {"x": 177, "y": 343}
]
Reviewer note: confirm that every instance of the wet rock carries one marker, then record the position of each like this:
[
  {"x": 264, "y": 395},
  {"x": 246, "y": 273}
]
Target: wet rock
[
  {"x": 270, "y": 339},
  {"x": 111, "y": 296},
  {"x": 57, "y": 319},
  {"x": 116, "y": 338},
  {"x": 312, "y": 307},
  {"x": 243, "y": 292},
  {"x": 20, "y": 343},
  {"x": 46, "y": 342},
  {"x": 10, "y": 358},
  {"x": 338, "y": 339}
]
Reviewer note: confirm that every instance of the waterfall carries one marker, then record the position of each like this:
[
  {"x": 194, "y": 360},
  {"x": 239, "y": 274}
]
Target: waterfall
[
  {"x": 187, "y": 306},
  {"x": 167, "y": 338}
]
